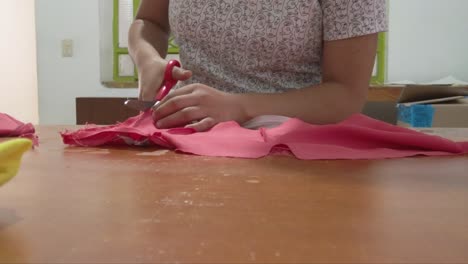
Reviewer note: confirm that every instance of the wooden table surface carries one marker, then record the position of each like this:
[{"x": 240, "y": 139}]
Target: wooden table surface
[{"x": 85, "y": 205}]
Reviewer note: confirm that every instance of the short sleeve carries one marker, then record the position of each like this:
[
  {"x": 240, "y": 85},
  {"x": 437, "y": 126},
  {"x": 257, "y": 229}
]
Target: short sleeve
[{"x": 352, "y": 18}]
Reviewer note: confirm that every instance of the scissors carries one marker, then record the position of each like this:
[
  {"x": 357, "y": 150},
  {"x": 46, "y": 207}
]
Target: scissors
[{"x": 166, "y": 87}]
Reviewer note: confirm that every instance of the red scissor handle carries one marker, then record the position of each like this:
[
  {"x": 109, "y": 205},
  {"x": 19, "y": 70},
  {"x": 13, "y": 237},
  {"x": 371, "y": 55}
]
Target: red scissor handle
[{"x": 169, "y": 81}]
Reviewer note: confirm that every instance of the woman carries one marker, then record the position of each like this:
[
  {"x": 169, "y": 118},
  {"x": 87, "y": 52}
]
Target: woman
[{"x": 309, "y": 59}]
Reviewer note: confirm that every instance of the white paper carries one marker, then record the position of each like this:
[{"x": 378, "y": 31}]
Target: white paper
[{"x": 449, "y": 80}]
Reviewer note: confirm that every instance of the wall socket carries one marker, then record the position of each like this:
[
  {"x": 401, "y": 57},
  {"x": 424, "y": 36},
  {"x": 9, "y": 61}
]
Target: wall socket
[{"x": 67, "y": 48}]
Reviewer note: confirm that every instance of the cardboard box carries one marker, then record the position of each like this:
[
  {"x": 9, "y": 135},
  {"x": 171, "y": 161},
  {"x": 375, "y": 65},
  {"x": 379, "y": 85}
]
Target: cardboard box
[{"x": 433, "y": 106}]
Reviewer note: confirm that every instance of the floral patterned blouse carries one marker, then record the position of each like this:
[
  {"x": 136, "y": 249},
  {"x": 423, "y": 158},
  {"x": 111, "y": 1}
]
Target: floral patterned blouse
[{"x": 265, "y": 45}]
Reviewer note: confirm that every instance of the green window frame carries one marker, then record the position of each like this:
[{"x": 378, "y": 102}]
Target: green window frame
[
  {"x": 118, "y": 51},
  {"x": 381, "y": 57}
]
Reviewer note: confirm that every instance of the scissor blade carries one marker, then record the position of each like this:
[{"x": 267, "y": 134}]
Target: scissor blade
[{"x": 140, "y": 105}]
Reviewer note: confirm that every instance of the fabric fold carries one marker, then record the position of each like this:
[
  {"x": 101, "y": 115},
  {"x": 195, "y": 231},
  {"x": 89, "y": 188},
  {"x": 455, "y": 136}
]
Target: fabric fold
[
  {"x": 358, "y": 137},
  {"x": 10, "y": 127}
]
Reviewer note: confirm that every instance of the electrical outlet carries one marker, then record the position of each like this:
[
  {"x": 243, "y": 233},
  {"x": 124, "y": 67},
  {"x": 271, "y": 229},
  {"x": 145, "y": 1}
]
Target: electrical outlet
[{"x": 67, "y": 48}]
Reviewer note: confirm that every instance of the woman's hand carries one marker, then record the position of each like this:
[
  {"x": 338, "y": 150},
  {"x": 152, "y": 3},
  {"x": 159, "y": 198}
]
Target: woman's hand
[
  {"x": 151, "y": 75},
  {"x": 198, "y": 106}
]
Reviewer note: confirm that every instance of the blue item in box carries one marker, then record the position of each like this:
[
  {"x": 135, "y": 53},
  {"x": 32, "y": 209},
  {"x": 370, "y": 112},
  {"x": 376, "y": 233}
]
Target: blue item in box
[{"x": 418, "y": 115}]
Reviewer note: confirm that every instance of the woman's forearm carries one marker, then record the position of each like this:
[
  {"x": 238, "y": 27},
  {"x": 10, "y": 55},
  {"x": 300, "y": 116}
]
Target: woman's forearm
[
  {"x": 147, "y": 42},
  {"x": 322, "y": 104}
]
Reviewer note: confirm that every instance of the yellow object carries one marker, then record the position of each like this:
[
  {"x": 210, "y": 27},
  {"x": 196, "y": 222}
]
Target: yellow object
[{"x": 10, "y": 157}]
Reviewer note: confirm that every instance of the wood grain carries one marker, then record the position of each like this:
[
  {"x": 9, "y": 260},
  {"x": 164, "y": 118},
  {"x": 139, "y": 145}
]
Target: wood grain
[{"x": 119, "y": 205}]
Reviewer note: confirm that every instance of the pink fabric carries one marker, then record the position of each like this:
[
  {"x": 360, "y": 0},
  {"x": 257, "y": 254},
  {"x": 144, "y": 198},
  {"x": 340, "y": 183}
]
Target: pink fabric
[
  {"x": 10, "y": 127},
  {"x": 359, "y": 137}
]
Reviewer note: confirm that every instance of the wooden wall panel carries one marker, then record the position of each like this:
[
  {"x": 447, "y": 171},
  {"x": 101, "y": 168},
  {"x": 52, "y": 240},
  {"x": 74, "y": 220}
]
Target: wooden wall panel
[{"x": 102, "y": 111}]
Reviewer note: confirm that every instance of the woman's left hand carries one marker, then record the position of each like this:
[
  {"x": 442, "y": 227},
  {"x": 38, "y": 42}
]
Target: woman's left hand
[{"x": 199, "y": 107}]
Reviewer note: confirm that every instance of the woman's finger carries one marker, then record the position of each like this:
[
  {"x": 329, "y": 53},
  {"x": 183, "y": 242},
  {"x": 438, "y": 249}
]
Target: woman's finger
[
  {"x": 203, "y": 125},
  {"x": 188, "y": 89},
  {"x": 181, "y": 118},
  {"x": 181, "y": 74},
  {"x": 173, "y": 105}
]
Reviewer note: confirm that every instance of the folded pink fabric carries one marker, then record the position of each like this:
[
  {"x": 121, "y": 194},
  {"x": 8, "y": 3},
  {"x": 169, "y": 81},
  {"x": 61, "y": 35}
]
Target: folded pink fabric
[
  {"x": 358, "y": 137},
  {"x": 10, "y": 127}
]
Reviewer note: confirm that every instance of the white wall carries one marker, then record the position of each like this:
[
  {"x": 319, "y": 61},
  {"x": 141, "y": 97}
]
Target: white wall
[
  {"x": 61, "y": 80},
  {"x": 18, "y": 92},
  {"x": 428, "y": 40}
]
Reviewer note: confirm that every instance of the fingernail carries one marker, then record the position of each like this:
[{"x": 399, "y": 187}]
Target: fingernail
[
  {"x": 158, "y": 124},
  {"x": 155, "y": 106}
]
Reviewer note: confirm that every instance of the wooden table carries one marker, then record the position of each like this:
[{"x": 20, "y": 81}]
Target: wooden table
[{"x": 70, "y": 205}]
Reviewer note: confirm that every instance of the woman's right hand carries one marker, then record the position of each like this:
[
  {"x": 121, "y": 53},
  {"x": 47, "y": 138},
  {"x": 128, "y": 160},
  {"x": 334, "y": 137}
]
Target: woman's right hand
[{"x": 151, "y": 77}]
